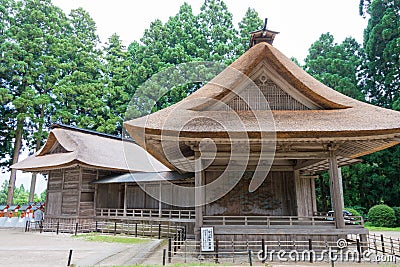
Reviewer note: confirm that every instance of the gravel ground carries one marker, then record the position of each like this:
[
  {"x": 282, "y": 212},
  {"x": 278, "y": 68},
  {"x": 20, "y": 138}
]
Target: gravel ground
[{"x": 48, "y": 249}]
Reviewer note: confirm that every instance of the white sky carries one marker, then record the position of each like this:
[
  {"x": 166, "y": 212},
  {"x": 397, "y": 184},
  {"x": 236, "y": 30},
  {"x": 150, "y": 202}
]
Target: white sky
[{"x": 300, "y": 23}]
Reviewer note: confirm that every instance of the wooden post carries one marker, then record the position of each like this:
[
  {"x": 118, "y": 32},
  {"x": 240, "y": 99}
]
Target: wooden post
[
  {"x": 198, "y": 194},
  {"x": 125, "y": 200},
  {"x": 335, "y": 189},
  {"x": 163, "y": 258},
  {"x": 159, "y": 201},
  {"x": 263, "y": 250},
  {"x": 69, "y": 257},
  {"x": 341, "y": 185},
  {"x": 250, "y": 259},
  {"x": 169, "y": 250},
  {"x": 359, "y": 250},
  {"x": 216, "y": 251}
]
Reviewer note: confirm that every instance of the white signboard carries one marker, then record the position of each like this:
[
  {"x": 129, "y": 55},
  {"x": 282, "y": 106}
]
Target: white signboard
[{"x": 207, "y": 239}]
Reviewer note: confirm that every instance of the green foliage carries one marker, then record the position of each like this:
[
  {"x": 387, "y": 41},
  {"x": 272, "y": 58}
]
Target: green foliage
[
  {"x": 397, "y": 215},
  {"x": 381, "y": 69},
  {"x": 3, "y": 192},
  {"x": 20, "y": 195},
  {"x": 336, "y": 65},
  {"x": 353, "y": 211},
  {"x": 250, "y": 22},
  {"x": 381, "y": 215},
  {"x": 360, "y": 210}
]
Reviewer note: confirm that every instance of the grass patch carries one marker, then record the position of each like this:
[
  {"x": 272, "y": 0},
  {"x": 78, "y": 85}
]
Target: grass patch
[
  {"x": 180, "y": 265},
  {"x": 378, "y": 228},
  {"x": 112, "y": 239}
]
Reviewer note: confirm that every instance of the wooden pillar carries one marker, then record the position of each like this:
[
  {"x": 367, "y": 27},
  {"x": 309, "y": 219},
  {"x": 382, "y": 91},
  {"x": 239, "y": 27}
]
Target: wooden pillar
[
  {"x": 335, "y": 188},
  {"x": 198, "y": 182},
  {"x": 313, "y": 196},
  {"x": 300, "y": 201},
  {"x": 78, "y": 211},
  {"x": 96, "y": 188},
  {"x": 159, "y": 201},
  {"x": 125, "y": 199},
  {"x": 341, "y": 185}
]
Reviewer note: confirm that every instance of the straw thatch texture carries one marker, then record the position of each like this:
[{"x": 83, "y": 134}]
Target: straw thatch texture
[{"x": 86, "y": 149}]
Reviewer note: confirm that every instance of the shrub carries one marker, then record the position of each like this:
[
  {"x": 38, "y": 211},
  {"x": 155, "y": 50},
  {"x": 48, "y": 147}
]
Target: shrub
[
  {"x": 381, "y": 216},
  {"x": 397, "y": 215},
  {"x": 353, "y": 211},
  {"x": 361, "y": 210}
]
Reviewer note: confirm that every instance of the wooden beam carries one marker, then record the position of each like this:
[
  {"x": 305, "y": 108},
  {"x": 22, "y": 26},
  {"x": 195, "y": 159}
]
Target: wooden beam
[
  {"x": 267, "y": 156},
  {"x": 249, "y": 167},
  {"x": 307, "y": 163},
  {"x": 198, "y": 182},
  {"x": 335, "y": 188}
]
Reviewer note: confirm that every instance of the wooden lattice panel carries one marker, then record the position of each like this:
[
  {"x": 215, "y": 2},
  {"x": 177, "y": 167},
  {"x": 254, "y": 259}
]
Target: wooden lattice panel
[{"x": 267, "y": 92}]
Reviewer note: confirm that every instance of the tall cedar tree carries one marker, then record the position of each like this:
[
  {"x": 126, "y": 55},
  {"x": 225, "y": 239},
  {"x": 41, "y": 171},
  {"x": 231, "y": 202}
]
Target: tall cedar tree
[
  {"x": 78, "y": 95},
  {"x": 381, "y": 43},
  {"x": 35, "y": 26},
  {"x": 335, "y": 65},
  {"x": 117, "y": 81},
  {"x": 250, "y": 22}
]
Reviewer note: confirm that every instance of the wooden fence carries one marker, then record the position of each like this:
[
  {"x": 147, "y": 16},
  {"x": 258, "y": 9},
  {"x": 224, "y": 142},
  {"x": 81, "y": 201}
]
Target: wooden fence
[
  {"x": 351, "y": 249},
  {"x": 134, "y": 229},
  {"x": 273, "y": 221},
  {"x": 182, "y": 215}
]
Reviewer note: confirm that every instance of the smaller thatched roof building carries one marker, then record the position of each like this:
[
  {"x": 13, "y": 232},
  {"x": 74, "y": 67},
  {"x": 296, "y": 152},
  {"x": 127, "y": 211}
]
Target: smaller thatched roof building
[{"x": 68, "y": 146}]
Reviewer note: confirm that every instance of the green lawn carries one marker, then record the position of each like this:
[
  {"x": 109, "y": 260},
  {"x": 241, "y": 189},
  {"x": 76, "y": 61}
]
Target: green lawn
[
  {"x": 377, "y": 228},
  {"x": 112, "y": 239}
]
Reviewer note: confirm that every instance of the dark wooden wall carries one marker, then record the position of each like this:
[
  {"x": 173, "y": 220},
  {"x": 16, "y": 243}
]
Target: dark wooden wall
[
  {"x": 275, "y": 197},
  {"x": 70, "y": 193}
]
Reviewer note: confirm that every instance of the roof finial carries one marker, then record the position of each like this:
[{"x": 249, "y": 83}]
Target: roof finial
[{"x": 262, "y": 35}]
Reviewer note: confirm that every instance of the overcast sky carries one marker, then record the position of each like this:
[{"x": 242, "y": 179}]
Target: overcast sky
[{"x": 300, "y": 23}]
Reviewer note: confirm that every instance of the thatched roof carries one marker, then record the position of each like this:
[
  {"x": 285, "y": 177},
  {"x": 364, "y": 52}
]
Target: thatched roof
[
  {"x": 68, "y": 146},
  {"x": 321, "y": 113}
]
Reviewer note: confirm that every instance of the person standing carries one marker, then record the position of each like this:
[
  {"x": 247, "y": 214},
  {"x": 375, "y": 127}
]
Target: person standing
[{"x": 38, "y": 215}]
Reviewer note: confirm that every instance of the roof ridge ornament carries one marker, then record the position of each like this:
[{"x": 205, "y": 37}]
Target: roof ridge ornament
[{"x": 263, "y": 35}]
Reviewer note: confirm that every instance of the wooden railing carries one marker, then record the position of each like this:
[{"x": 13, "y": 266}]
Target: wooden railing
[
  {"x": 273, "y": 221},
  {"x": 146, "y": 213}
]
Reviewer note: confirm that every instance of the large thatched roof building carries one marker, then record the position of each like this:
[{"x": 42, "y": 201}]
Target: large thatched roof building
[{"x": 267, "y": 114}]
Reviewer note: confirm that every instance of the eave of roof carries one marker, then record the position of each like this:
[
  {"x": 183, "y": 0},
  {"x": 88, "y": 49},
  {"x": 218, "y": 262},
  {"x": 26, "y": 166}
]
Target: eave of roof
[{"x": 143, "y": 177}]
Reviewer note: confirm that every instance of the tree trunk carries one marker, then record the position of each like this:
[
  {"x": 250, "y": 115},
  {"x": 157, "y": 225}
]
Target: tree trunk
[
  {"x": 16, "y": 151},
  {"x": 32, "y": 189},
  {"x": 38, "y": 145}
]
